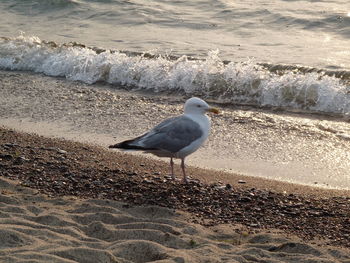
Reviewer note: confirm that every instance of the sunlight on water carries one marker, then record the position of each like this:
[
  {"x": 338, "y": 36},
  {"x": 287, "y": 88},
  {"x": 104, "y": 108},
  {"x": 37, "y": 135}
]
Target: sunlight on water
[{"x": 271, "y": 32}]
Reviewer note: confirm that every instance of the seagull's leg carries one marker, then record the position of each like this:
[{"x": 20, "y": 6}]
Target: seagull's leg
[
  {"x": 183, "y": 169},
  {"x": 172, "y": 168}
]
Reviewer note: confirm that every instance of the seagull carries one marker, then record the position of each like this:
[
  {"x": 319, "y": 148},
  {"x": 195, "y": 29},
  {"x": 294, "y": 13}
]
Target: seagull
[{"x": 176, "y": 137}]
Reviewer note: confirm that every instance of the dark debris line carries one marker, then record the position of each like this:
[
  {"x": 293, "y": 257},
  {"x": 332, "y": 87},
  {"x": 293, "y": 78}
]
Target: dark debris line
[{"x": 78, "y": 170}]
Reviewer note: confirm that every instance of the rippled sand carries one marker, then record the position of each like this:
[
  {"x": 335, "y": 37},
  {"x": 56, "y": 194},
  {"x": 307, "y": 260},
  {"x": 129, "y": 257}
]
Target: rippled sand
[{"x": 35, "y": 228}]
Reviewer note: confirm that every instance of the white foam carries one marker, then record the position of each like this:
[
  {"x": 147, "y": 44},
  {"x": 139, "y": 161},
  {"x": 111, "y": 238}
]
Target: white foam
[{"x": 244, "y": 82}]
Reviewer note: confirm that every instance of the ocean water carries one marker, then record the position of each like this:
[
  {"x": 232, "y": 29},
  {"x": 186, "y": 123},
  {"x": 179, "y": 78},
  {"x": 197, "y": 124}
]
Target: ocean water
[{"x": 288, "y": 54}]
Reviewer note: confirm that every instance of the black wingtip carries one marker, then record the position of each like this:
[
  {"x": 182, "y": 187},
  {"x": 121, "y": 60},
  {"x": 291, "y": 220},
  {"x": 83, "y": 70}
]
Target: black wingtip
[
  {"x": 121, "y": 145},
  {"x": 126, "y": 145},
  {"x": 113, "y": 146}
]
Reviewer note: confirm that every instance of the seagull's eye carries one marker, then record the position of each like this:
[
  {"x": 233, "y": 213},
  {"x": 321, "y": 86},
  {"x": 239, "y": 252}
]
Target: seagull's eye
[{"x": 198, "y": 106}]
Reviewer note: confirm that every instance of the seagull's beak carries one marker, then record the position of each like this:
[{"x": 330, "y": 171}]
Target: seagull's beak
[{"x": 214, "y": 110}]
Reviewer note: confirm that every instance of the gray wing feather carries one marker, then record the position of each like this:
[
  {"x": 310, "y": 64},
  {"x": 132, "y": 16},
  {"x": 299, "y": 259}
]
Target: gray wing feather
[{"x": 171, "y": 135}]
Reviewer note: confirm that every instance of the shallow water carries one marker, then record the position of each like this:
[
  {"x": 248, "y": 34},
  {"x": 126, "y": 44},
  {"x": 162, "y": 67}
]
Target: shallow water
[
  {"x": 289, "y": 54},
  {"x": 233, "y": 83}
]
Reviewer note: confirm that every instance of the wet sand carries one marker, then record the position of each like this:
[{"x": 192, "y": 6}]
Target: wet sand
[{"x": 300, "y": 148}]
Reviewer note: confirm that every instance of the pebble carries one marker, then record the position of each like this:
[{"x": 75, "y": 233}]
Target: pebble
[
  {"x": 54, "y": 149},
  {"x": 6, "y": 157},
  {"x": 10, "y": 145},
  {"x": 61, "y": 151},
  {"x": 20, "y": 160},
  {"x": 147, "y": 181}
]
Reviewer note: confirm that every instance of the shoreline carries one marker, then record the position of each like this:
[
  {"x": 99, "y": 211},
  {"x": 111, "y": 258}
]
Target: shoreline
[
  {"x": 206, "y": 175},
  {"x": 282, "y": 146},
  {"x": 58, "y": 167}
]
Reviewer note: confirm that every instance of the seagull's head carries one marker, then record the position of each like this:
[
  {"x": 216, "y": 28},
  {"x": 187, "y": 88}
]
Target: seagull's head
[{"x": 198, "y": 106}]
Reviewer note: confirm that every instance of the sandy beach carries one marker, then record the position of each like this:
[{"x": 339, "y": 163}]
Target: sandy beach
[
  {"x": 35, "y": 228},
  {"x": 290, "y": 147},
  {"x": 67, "y": 198},
  {"x": 270, "y": 181},
  {"x": 73, "y": 202}
]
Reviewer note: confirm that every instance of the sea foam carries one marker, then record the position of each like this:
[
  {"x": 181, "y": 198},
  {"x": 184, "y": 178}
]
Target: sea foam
[{"x": 244, "y": 82}]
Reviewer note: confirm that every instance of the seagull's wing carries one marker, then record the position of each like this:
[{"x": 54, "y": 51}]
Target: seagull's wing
[{"x": 171, "y": 135}]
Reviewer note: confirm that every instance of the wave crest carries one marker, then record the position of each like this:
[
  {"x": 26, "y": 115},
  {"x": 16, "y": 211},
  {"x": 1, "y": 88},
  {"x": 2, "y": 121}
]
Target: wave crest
[{"x": 245, "y": 82}]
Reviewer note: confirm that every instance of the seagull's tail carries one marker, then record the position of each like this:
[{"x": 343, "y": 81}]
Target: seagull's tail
[{"x": 127, "y": 145}]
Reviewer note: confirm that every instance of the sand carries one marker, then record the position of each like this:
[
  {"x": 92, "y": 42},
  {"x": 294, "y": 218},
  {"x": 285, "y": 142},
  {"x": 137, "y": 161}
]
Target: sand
[
  {"x": 71, "y": 202},
  {"x": 35, "y": 228},
  {"x": 58, "y": 227}
]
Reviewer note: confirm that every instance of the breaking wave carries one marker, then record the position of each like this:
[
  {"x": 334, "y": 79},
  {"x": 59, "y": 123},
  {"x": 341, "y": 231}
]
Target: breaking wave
[{"x": 245, "y": 82}]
